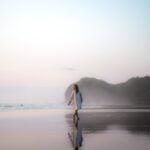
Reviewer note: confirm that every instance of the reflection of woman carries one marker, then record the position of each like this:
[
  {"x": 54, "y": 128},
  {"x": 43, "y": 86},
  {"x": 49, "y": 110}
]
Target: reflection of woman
[
  {"x": 75, "y": 136},
  {"x": 75, "y": 100}
]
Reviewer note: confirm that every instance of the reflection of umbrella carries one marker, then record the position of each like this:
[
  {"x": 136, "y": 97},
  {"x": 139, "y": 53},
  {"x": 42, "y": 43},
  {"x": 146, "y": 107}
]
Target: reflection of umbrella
[{"x": 75, "y": 136}]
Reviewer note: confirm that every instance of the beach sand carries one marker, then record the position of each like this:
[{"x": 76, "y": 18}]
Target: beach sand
[{"x": 49, "y": 130}]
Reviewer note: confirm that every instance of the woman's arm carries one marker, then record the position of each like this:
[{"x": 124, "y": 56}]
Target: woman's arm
[{"x": 71, "y": 97}]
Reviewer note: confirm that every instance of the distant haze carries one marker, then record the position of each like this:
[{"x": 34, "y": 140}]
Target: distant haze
[{"x": 47, "y": 45}]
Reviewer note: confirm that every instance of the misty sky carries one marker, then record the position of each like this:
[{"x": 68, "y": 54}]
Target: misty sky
[{"x": 48, "y": 44}]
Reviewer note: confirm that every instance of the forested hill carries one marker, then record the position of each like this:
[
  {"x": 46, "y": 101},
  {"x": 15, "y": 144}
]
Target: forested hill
[{"x": 135, "y": 91}]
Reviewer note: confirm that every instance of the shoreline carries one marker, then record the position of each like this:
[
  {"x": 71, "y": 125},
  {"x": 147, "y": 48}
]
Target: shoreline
[{"x": 69, "y": 110}]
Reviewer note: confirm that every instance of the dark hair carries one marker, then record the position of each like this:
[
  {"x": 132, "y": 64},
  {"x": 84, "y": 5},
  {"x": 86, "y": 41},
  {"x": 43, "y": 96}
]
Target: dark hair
[{"x": 76, "y": 88}]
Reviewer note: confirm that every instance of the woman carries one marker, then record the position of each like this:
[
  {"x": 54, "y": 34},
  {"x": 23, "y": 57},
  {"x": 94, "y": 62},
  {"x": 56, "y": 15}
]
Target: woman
[{"x": 75, "y": 100}]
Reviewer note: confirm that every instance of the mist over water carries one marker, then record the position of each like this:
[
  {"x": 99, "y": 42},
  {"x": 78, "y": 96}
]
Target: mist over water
[{"x": 35, "y": 95}]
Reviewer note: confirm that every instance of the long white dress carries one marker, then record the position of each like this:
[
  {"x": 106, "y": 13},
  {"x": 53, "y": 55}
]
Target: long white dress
[{"x": 76, "y": 100}]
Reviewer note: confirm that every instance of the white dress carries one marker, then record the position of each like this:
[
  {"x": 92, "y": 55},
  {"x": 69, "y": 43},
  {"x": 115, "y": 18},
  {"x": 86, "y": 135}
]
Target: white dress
[{"x": 76, "y": 100}]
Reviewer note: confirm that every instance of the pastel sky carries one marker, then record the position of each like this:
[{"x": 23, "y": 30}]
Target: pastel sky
[{"x": 50, "y": 44}]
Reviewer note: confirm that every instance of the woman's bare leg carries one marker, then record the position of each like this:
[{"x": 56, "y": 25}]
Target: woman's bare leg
[{"x": 76, "y": 114}]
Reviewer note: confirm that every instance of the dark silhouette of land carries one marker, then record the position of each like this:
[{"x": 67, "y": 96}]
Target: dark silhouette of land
[{"x": 134, "y": 92}]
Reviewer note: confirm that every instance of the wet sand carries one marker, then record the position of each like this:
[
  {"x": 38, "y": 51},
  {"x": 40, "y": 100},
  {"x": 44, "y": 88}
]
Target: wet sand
[{"x": 55, "y": 130}]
